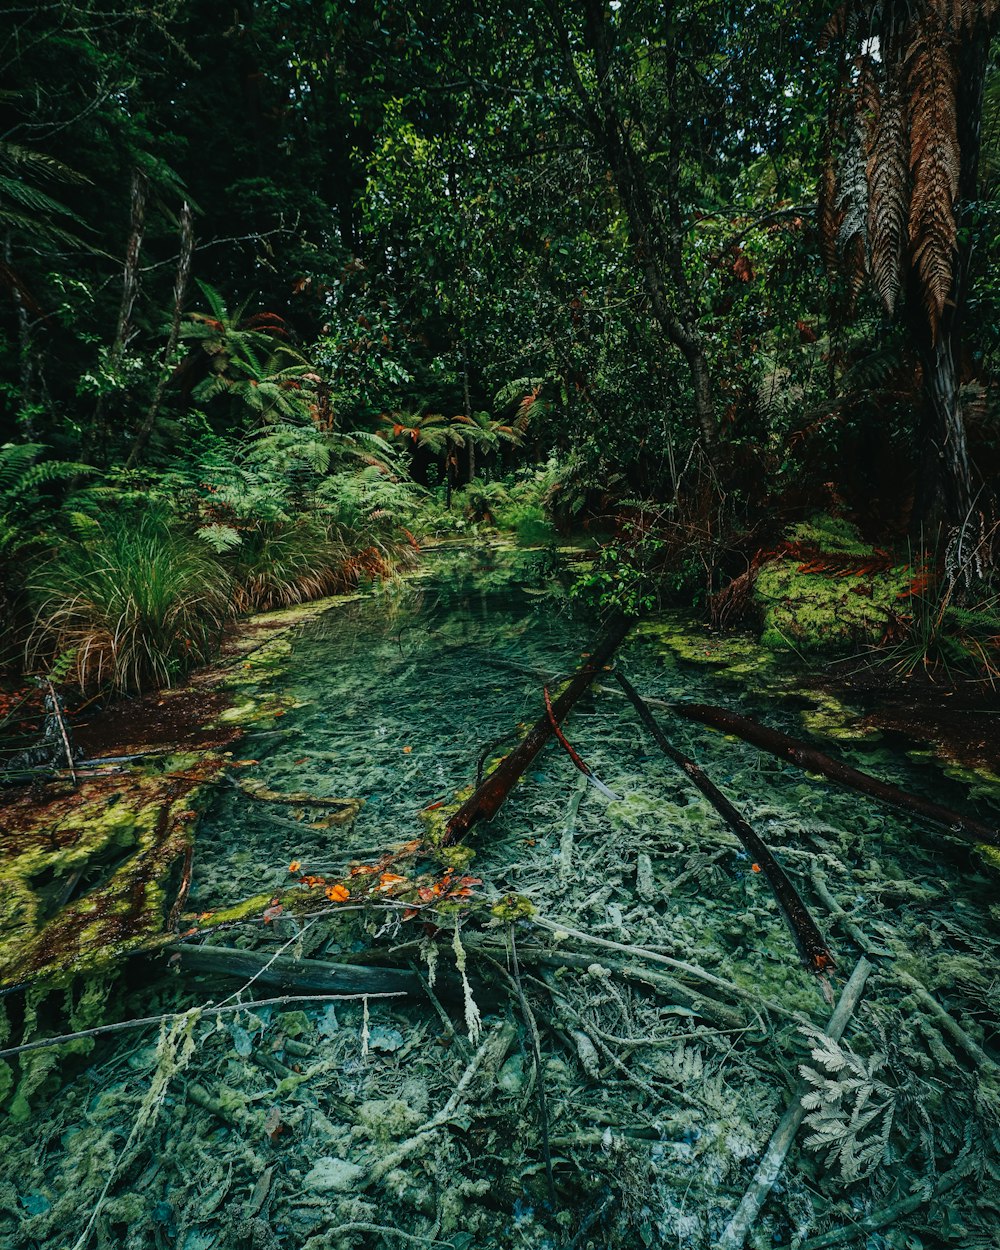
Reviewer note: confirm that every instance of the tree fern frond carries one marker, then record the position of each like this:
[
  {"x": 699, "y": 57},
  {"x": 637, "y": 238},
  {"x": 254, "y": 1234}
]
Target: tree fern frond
[
  {"x": 888, "y": 203},
  {"x": 934, "y": 164},
  {"x": 852, "y": 199}
]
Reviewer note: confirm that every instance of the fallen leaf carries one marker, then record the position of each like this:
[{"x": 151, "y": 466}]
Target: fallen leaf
[{"x": 338, "y": 893}]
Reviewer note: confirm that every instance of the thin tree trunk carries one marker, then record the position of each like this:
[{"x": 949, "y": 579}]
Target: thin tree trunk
[
  {"x": 660, "y": 259},
  {"x": 180, "y": 288},
  {"x": 130, "y": 289}
]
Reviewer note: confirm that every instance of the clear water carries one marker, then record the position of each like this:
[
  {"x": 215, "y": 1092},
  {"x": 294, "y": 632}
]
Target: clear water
[{"x": 281, "y": 1128}]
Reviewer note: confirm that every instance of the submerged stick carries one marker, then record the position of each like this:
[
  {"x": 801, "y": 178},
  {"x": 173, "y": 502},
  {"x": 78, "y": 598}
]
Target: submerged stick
[
  {"x": 810, "y": 942},
  {"x": 578, "y": 761},
  {"x": 813, "y": 761},
  {"x": 735, "y": 1232},
  {"x": 141, "y": 1023},
  {"x": 487, "y": 799}
]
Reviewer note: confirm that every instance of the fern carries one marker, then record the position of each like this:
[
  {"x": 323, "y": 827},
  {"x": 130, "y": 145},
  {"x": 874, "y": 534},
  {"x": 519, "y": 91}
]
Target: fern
[
  {"x": 934, "y": 163},
  {"x": 850, "y": 1108},
  {"x": 888, "y": 180}
]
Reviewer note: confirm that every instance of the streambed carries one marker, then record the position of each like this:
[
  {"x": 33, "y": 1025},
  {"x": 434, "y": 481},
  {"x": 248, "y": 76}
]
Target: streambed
[{"x": 384, "y": 1123}]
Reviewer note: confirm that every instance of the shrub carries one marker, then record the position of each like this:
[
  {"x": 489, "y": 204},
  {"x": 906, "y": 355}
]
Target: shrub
[{"x": 135, "y": 601}]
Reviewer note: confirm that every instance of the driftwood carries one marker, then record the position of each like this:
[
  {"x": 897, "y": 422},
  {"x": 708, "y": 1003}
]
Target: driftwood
[
  {"x": 811, "y": 943},
  {"x": 814, "y": 761},
  {"x": 735, "y": 1232},
  {"x": 487, "y": 799}
]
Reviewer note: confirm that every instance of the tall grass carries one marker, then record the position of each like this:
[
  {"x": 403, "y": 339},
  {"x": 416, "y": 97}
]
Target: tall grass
[
  {"x": 133, "y": 601},
  {"x": 278, "y": 563}
]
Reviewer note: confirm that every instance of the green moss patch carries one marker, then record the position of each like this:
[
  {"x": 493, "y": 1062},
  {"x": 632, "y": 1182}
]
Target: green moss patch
[{"x": 826, "y": 588}]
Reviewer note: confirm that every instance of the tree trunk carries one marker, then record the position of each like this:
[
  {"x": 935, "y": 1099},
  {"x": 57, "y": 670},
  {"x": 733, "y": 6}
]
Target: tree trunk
[
  {"x": 180, "y": 288},
  {"x": 130, "y": 289},
  {"x": 659, "y": 258}
]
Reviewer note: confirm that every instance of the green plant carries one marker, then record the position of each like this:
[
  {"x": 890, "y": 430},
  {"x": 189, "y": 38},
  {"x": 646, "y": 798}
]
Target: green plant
[
  {"x": 245, "y": 359},
  {"x": 135, "y": 599}
]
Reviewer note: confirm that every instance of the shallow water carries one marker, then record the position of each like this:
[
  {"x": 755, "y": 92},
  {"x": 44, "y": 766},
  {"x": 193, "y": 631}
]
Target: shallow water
[{"x": 349, "y": 1126}]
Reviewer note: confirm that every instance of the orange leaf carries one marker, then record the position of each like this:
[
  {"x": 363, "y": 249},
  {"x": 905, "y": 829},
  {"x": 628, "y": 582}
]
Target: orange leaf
[
  {"x": 294, "y": 866},
  {"x": 338, "y": 893}
]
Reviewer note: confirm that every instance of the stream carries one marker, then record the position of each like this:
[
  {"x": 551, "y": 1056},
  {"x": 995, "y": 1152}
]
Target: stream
[{"x": 419, "y": 1121}]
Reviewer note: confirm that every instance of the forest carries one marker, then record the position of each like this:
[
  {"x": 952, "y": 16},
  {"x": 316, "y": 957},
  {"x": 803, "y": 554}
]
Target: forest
[{"x": 512, "y": 487}]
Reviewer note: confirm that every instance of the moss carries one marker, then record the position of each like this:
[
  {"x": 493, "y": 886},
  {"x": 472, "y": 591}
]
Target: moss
[
  {"x": 513, "y": 907},
  {"x": 835, "y": 606},
  {"x": 435, "y": 820},
  {"x": 117, "y": 849},
  {"x": 457, "y": 857},
  {"x": 989, "y": 859}
]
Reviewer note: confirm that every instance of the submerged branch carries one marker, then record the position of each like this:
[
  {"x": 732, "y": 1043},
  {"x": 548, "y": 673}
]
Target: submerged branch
[
  {"x": 736, "y": 1231},
  {"x": 810, "y": 942},
  {"x": 488, "y": 798},
  {"x": 813, "y": 761}
]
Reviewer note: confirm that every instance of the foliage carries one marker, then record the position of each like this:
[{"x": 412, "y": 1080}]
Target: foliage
[{"x": 133, "y": 600}]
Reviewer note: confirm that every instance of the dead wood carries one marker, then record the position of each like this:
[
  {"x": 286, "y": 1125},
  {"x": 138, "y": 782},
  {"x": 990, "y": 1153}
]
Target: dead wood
[
  {"x": 810, "y": 942},
  {"x": 813, "y": 761},
  {"x": 735, "y": 1232},
  {"x": 288, "y": 973},
  {"x": 298, "y": 975},
  {"x": 487, "y": 799}
]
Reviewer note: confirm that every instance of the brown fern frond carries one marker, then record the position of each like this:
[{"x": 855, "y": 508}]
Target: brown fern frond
[
  {"x": 962, "y": 15},
  {"x": 835, "y": 27},
  {"x": 934, "y": 164},
  {"x": 830, "y": 216},
  {"x": 888, "y": 196}
]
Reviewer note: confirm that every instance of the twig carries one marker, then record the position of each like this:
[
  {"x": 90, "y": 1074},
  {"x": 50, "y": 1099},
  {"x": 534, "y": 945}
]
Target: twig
[
  {"x": 735, "y": 1232},
  {"x": 730, "y": 987},
  {"x": 57, "y": 710},
  {"x": 122, "y": 1025},
  {"x": 536, "y": 1050},
  {"x": 946, "y": 1020},
  {"x": 566, "y": 840},
  {"x": 580, "y": 763}
]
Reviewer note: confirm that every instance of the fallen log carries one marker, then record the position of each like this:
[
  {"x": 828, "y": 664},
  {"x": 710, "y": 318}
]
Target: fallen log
[
  {"x": 810, "y": 942},
  {"x": 488, "y": 797},
  {"x": 813, "y": 761},
  {"x": 285, "y": 972}
]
